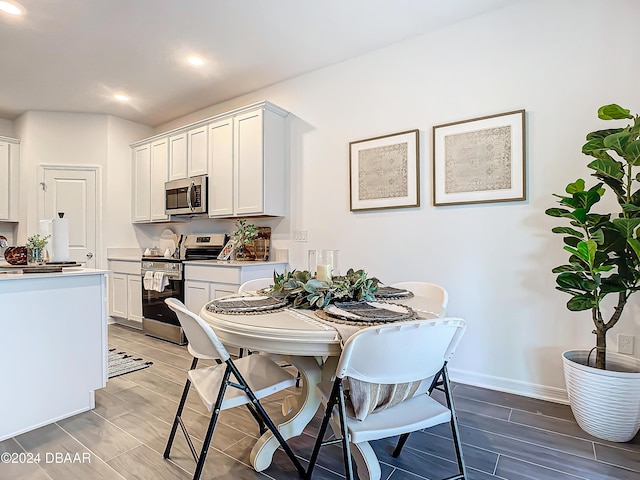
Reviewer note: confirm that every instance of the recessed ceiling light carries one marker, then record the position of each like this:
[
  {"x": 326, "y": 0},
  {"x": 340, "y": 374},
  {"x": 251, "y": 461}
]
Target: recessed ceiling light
[
  {"x": 195, "y": 60},
  {"x": 11, "y": 8},
  {"x": 121, "y": 97}
]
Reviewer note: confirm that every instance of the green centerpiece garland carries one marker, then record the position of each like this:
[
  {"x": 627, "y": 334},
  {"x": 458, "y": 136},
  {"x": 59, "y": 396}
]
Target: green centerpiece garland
[{"x": 305, "y": 291}]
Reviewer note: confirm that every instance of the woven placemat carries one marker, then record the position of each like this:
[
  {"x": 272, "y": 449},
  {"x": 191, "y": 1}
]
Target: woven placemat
[
  {"x": 392, "y": 293},
  {"x": 246, "y": 305},
  {"x": 369, "y": 315}
]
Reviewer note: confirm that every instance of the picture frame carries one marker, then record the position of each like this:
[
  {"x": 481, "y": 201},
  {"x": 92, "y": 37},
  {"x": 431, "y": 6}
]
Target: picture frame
[
  {"x": 481, "y": 160},
  {"x": 384, "y": 172}
]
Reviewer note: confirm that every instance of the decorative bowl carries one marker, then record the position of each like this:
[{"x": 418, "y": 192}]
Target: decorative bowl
[{"x": 16, "y": 255}]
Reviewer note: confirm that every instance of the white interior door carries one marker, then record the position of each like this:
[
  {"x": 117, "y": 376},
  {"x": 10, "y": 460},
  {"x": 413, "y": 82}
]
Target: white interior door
[{"x": 74, "y": 192}]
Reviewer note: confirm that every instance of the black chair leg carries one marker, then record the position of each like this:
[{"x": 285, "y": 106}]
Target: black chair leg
[
  {"x": 455, "y": 432},
  {"x": 177, "y": 418},
  {"x": 346, "y": 451},
  {"x": 401, "y": 442},
  {"x": 323, "y": 428}
]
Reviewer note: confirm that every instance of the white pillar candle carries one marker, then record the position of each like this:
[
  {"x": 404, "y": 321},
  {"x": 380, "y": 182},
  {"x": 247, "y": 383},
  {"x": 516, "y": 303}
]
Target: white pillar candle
[{"x": 323, "y": 273}]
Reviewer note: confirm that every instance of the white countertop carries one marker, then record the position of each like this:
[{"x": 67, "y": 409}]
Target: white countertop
[
  {"x": 125, "y": 258},
  {"x": 17, "y": 274}
]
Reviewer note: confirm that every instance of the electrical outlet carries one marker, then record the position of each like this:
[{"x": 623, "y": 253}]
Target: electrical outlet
[
  {"x": 625, "y": 344},
  {"x": 299, "y": 235}
]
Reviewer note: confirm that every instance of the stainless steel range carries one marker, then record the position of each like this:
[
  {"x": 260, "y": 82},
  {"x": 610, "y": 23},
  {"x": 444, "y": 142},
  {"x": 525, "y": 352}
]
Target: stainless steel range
[{"x": 163, "y": 278}]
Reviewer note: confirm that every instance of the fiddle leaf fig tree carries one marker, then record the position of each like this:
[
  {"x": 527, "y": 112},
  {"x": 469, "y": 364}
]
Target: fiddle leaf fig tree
[{"x": 604, "y": 248}]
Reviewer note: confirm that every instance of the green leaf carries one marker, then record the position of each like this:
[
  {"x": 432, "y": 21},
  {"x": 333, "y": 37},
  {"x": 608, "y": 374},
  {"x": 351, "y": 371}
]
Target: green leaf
[
  {"x": 563, "y": 268},
  {"x": 603, "y": 133},
  {"x": 577, "y": 186},
  {"x": 571, "y": 241},
  {"x": 626, "y": 226},
  {"x": 587, "y": 251},
  {"x": 607, "y": 166},
  {"x": 630, "y": 208},
  {"x": 635, "y": 245},
  {"x": 595, "y": 148},
  {"x": 572, "y": 281},
  {"x": 632, "y": 153},
  {"x": 618, "y": 141},
  {"x": 613, "y": 112},
  {"x": 557, "y": 212},
  {"x": 581, "y": 302},
  {"x": 598, "y": 236},
  {"x": 568, "y": 231}
]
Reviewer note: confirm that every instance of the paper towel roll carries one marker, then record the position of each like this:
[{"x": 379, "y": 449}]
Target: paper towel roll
[{"x": 60, "y": 240}]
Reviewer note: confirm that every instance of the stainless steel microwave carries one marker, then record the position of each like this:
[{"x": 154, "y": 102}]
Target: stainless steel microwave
[{"x": 186, "y": 197}]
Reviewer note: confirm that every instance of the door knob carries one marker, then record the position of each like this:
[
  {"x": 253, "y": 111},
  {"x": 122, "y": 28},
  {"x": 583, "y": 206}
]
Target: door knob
[{"x": 89, "y": 255}]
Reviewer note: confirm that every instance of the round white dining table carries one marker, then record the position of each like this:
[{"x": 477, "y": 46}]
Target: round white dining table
[{"x": 311, "y": 345}]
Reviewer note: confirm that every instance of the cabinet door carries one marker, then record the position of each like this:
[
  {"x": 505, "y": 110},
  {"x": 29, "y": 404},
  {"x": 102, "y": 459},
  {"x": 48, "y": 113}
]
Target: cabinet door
[
  {"x": 196, "y": 294},
  {"x": 159, "y": 174},
  {"x": 4, "y": 181},
  {"x": 222, "y": 290},
  {"x": 178, "y": 156},
  {"x": 118, "y": 297},
  {"x": 134, "y": 298},
  {"x": 142, "y": 183},
  {"x": 197, "y": 151},
  {"x": 248, "y": 163},
  {"x": 221, "y": 168}
]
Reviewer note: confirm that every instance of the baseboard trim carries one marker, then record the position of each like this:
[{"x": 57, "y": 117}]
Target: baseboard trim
[{"x": 526, "y": 389}]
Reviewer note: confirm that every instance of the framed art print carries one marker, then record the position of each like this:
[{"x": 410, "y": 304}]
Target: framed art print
[
  {"x": 480, "y": 160},
  {"x": 385, "y": 172}
]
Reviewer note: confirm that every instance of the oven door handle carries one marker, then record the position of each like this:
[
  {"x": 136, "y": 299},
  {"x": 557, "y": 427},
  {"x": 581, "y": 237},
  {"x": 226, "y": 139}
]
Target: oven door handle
[{"x": 190, "y": 191}]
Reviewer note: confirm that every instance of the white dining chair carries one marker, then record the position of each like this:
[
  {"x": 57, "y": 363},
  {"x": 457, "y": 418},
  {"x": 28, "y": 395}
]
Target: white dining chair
[
  {"x": 425, "y": 289},
  {"x": 226, "y": 385},
  {"x": 392, "y": 354},
  {"x": 256, "y": 284}
]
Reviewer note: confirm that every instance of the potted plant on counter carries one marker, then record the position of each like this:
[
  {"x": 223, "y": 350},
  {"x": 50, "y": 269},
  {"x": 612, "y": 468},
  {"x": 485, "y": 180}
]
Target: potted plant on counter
[
  {"x": 242, "y": 238},
  {"x": 603, "y": 265},
  {"x": 36, "y": 248}
]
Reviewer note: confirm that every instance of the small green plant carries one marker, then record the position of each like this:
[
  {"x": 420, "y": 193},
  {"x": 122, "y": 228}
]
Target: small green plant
[
  {"x": 36, "y": 242},
  {"x": 306, "y": 291},
  {"x": 244, "y": 234}
]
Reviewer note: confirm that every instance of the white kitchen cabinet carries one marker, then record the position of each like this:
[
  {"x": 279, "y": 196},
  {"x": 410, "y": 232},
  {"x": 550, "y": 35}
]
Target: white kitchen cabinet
[
  {"x": 159, "y": 174},
  {"x": 9, "y": 179},
  {"x": 178, "y": 156},
  {"x": 208, "y": 280},
  {"x": 221, "y": 168},
  {"x": 118, "y": 298},
  {"x": 197, "y": 151},
  {"x": 198, "y": 293},
  {"x": 125, "y": 292},
  {"x": 258, "y": 159},
  {"x": 141, "y": 183},
  {"x": 150, "y": 169},
  {"x": 134, "y": 298}
]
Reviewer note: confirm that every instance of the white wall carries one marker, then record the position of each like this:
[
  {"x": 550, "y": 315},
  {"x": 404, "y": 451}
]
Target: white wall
[
  {"x": 6, "y": 128},
  {"x": 53, "y": 138},
  {"x": 558, "y": 60}
]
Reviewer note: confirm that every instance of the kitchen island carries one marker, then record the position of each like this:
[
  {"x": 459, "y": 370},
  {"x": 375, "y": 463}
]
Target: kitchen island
[{"x": 53, "y": 346}]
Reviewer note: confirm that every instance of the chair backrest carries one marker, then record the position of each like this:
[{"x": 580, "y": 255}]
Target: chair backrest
[
  {"x": 426, "y": 289},
  {"x": 257, "y": 284},
  {"x": 400, "y": 352},
  {"x": 202, "y": 339}
]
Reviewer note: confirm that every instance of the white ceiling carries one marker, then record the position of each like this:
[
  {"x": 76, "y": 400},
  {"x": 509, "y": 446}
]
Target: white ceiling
[{"x": 73, "y": 55}]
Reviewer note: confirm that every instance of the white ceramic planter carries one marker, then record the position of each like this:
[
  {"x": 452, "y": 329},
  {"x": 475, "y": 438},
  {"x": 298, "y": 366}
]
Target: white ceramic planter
[{"x": 606, "y": 403}]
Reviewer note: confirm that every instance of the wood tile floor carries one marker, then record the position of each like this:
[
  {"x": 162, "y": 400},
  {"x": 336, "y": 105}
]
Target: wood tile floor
[{"x": 505, "y": 436}]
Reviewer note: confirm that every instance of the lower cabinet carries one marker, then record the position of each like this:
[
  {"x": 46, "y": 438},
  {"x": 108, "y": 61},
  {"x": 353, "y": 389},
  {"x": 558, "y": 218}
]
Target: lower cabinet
[
  {"x": 197, "y": 293},
  {"x": 205, "y": 282},
  {"x": 125, "y": 293}
]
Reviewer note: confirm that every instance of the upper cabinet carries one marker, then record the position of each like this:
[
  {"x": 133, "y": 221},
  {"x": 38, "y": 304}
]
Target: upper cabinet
[
  {"x": 197, "y": 151},
  {"x": 150, "y": 171},
  {"x": 178, "y": 156},
  {"x": 243, "y": 152},
  {"x": 9, "y": 179}
]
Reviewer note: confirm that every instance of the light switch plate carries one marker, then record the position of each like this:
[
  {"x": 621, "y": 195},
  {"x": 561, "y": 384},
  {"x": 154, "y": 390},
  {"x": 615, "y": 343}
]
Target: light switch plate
[{"x": 625, "y": 344}]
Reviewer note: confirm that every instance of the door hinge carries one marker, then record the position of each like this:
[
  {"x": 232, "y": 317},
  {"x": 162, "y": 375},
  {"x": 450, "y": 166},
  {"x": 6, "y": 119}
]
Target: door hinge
[{"x": 44, "y": 186}]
